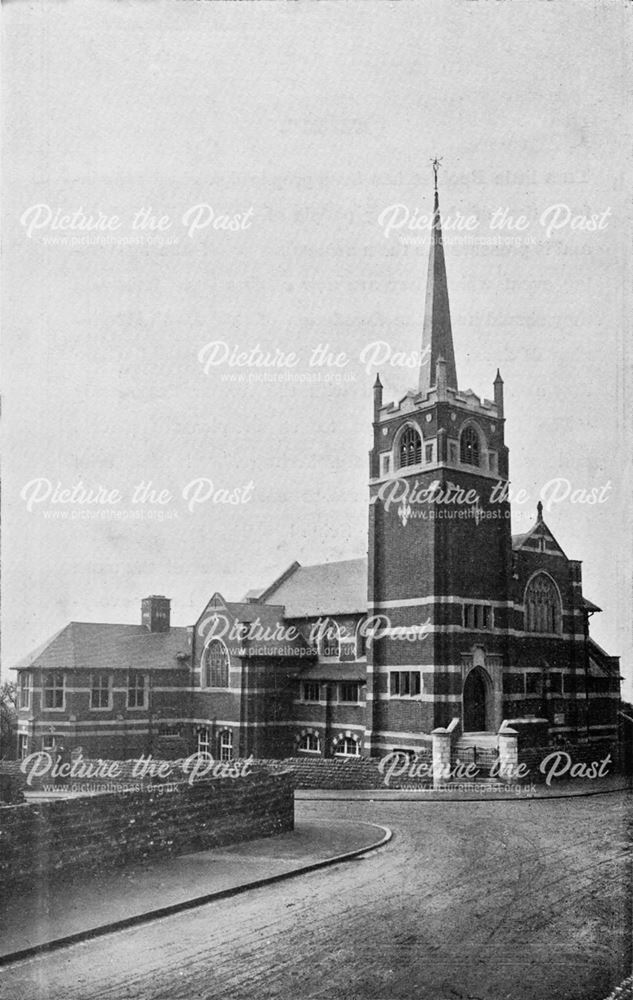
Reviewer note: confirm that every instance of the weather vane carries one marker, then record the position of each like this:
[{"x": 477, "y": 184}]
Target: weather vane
[{"x": 436, "y": 166}]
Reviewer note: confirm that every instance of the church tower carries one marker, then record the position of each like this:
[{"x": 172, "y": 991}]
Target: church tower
[{"x": 439, "y": 544}]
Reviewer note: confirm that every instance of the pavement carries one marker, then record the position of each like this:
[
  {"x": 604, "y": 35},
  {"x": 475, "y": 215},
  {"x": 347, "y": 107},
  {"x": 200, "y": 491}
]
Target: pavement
[
  {"x": 477, "y": 791},
  {"x": 63, "y": 911}
]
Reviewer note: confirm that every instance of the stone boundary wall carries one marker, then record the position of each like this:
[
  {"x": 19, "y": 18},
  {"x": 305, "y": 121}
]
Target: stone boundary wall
[
  {"x": 89, "y": 833},
  {"x": 580, "y": 753},
  {"x": 350, "y": 773}
]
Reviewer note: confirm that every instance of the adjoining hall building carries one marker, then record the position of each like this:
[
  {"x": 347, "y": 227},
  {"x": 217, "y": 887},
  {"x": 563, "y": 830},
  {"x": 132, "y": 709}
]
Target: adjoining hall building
[{"x": 449, "y": 617}]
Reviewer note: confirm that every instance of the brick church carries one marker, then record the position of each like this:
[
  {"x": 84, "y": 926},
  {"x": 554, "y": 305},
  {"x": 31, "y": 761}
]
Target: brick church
[{"x": 449, "y": 621}]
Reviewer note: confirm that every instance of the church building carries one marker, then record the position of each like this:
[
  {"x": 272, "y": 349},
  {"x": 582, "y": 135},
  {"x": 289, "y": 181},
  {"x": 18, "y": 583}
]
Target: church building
[{"x": 450, "y": 621}]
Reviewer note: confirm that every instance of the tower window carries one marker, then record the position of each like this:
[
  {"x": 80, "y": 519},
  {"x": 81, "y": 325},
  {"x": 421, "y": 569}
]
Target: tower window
[
  {"x": 542, "y": 605},
  {"x": 405, "y": 683},
  {"x": 428, "y": 453},
  {"x": 215, "y": 668},
  {"x": 410, "y": 448},
  {"x": 469, "y": 447}
]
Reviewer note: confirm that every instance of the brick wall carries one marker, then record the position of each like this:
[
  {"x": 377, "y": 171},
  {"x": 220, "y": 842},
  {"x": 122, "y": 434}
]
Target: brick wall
[{"x": 91, "y": 833}]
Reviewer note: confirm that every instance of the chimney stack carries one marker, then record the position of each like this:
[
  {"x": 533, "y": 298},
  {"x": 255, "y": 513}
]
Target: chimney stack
[{"x": 155, "y": 613}]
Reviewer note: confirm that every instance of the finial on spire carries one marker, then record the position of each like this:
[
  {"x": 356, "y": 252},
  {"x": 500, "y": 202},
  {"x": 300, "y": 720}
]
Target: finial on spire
[
  {"x": 539, "y": 512},
  {"x": 436, "y": 161}
]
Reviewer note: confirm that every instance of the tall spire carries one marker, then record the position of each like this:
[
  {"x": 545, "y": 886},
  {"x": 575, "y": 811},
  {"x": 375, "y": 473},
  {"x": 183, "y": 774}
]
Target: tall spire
[{"x": 437, "y": 337}]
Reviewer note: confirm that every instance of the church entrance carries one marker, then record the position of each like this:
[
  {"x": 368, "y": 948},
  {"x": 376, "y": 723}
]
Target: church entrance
[{"x": 477, "y": 714}]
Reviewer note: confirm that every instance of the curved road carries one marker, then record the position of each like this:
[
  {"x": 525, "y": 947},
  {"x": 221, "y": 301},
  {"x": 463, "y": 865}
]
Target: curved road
[{"x": 525, "y": 900}]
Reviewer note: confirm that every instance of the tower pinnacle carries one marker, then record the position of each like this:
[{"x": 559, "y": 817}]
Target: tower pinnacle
[{"x": 437, "y": 336}]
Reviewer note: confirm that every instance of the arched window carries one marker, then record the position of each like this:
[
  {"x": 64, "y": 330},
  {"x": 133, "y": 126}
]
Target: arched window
[
  {"x": 361, "y": 640},
  {"x": 349, "y": 746},
  {"x": 542, "y": 605},
  {"x": 469, "y": 447},
  {"x": 330, "y": 640},
  {"x": 309, "y": 743},
  {"x": 204, "y": 740},
  {"x": 215, "y": 665},
  {"x": 410, "y": 448}
]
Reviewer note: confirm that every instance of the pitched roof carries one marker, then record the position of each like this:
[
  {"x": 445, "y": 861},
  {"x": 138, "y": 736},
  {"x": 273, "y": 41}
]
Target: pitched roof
[
  {"x": 334, "y": 588},
  {"x": 81, "y": 645},
  {"x": 266, "y": 634},
  {"x": 538, "y": 529}
]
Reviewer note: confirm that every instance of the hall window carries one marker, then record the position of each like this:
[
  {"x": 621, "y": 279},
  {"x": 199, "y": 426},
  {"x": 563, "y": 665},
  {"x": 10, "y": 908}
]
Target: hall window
[
  {"x": 215, "y": 668},
  {"x": 226, "y": 745},
  {"x": 54, "y": 689},
  {"x": 311, "y": 690},
  {"x": 469, "y": 447},
  {"x": 23, "y": 747},
  {"x": 26, "y": 687},
  {"x": 137, "y": 690},
  {"x": 542, "y": 605},
  {"x": 348, "y": 691},
  {"x": 410, "y": 448},
  {"x": 405, "y": 683},
  {"x": 428, "y": 453},
  {"x": 100, "y": 691}
]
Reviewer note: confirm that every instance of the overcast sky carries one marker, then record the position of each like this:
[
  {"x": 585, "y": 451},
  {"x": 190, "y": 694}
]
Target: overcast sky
[{"x": 302, "y": 125}]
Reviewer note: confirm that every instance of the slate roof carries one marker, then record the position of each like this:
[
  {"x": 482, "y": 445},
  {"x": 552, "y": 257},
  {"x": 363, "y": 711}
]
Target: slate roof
[
  {"x": 334, "y": 672},
  {"x": 333, "y": 588},
  {"x": 81, "y": 645},
  {"x": 265, "y": 617}
]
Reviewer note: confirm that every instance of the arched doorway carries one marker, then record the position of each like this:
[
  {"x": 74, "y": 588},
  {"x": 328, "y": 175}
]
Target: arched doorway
[{"x": 477, "y": 713}]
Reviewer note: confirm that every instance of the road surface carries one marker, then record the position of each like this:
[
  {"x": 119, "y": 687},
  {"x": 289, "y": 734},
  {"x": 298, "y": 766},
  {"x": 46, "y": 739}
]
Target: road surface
[{"x": 525, "y": 900}]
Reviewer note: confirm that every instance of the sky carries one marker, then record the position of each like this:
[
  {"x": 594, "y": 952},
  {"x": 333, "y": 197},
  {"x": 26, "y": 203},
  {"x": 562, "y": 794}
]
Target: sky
[{"x": 187, "y": 182}]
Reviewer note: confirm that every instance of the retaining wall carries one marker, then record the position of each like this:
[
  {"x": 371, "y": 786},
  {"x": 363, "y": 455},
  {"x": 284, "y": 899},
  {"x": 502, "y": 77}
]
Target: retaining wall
[{"x": 94, "y": 832}]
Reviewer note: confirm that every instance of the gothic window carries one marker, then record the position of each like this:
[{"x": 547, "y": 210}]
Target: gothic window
[
  {"x": 330, "y": 640},
  {"x": 542, "y": 605},
  {"x": 361, "y": 640},
  {"x": 410, "y": 448},
  {"x": 469, "y": 447},
  {"x": 215, "y": 668}
]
